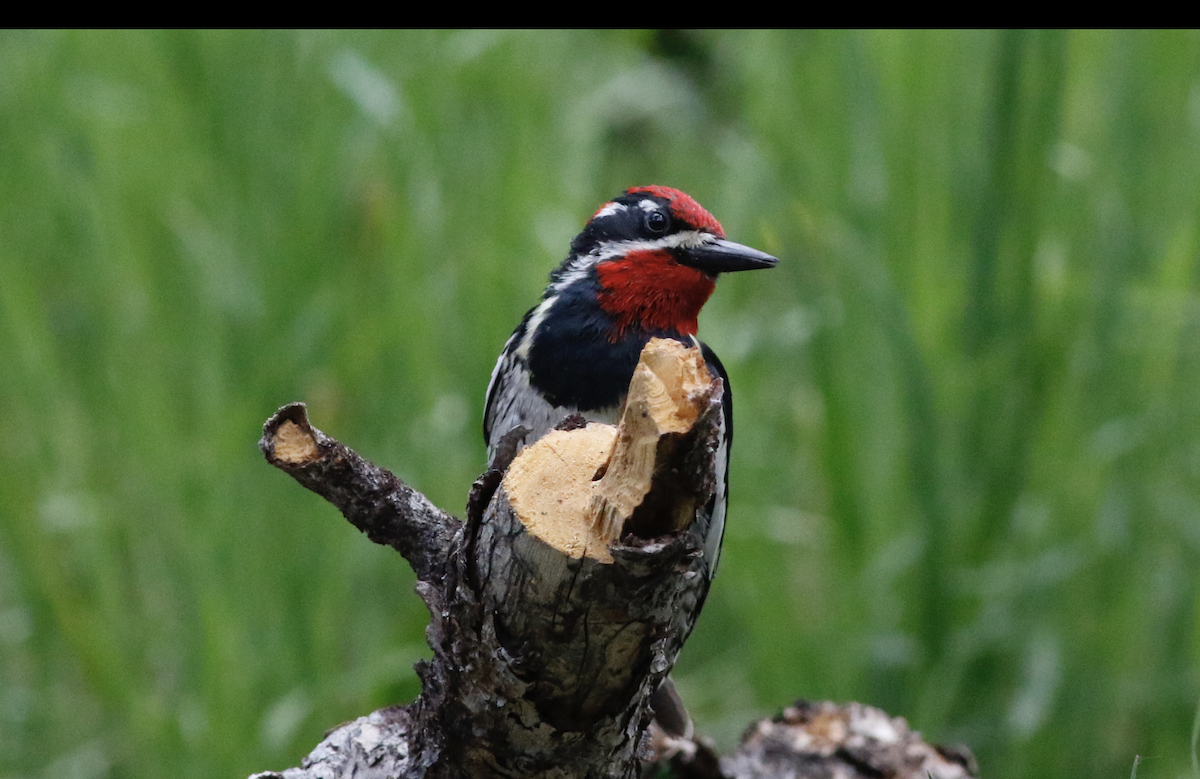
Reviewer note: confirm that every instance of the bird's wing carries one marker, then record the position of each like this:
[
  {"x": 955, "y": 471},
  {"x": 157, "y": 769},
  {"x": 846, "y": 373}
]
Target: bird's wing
[
  {"x": 715, "y": 367},
  {"x": 717, "y": 509},
  {"x": 498, "y": 388},
  {"x": 512, "y": 402}
]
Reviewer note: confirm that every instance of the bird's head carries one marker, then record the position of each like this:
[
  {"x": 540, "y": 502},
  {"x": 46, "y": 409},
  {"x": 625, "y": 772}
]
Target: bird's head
[{"x": 655, "y": 253}]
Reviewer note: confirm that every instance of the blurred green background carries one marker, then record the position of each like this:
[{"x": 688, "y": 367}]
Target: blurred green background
[{"x": 966, "y": 485}]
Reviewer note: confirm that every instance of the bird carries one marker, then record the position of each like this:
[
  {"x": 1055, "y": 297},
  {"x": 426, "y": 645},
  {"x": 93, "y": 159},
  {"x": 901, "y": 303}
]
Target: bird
[{"x": 643, "y": 267}]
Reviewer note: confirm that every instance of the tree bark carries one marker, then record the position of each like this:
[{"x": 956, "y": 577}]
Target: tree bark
[{"x": 557, "y": 607}]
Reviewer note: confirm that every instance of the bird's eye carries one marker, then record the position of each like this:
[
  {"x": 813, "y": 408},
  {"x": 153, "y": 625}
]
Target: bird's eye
[{"x": 657, "y": 222}]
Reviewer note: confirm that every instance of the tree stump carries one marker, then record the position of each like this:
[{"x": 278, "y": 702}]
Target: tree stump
[{"x": 560, "y": 603}]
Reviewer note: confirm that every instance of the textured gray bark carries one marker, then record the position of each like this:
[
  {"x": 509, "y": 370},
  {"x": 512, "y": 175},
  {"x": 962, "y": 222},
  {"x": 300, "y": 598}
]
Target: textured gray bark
[{"x": 543, "y": 665}]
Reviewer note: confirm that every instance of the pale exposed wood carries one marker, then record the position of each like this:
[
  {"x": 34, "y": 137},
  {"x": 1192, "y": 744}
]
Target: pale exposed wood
[
  {"x": 671, "y": 387},
  {"x": 552, "y": 485},
  {"x": 294, "y": 445},
  {"x": 549, "y": 486}
]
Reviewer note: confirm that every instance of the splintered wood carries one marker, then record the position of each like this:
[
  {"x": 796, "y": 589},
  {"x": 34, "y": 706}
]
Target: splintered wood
[
  {"x": 549, "y": 488},
  {"x": 576, "y": 489}
]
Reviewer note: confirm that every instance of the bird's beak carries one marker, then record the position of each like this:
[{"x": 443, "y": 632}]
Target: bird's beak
[{"x": 721, "y": 256}]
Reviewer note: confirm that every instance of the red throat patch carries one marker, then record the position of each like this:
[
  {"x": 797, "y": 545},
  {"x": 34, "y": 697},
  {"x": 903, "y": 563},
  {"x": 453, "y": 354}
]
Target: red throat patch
[
  {"x": 684, "y": 208},
  {"x": 650, "y": 289}
]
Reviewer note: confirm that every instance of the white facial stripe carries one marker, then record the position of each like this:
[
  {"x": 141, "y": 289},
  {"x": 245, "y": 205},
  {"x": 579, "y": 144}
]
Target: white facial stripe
[
  {"x": 685, "y": 239},
  {"x": 577, "y": 270},
  {"x": 609, "y": 209},
  {"x": 690, "y": 239},
  {"x": 648, "y": 205}
]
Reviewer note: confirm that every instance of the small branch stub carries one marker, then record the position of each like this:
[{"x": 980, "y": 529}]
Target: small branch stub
[
  {"x": 288, "y": 440},
  {"x": 371, "y": 498}
]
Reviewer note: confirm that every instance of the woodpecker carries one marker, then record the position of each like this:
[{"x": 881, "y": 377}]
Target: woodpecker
[{"x": 644, "y": 265}]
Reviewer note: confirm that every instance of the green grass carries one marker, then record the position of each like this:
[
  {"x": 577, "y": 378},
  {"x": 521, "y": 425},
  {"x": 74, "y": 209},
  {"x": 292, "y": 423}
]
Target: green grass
[{"x": 966, "y": 485}]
